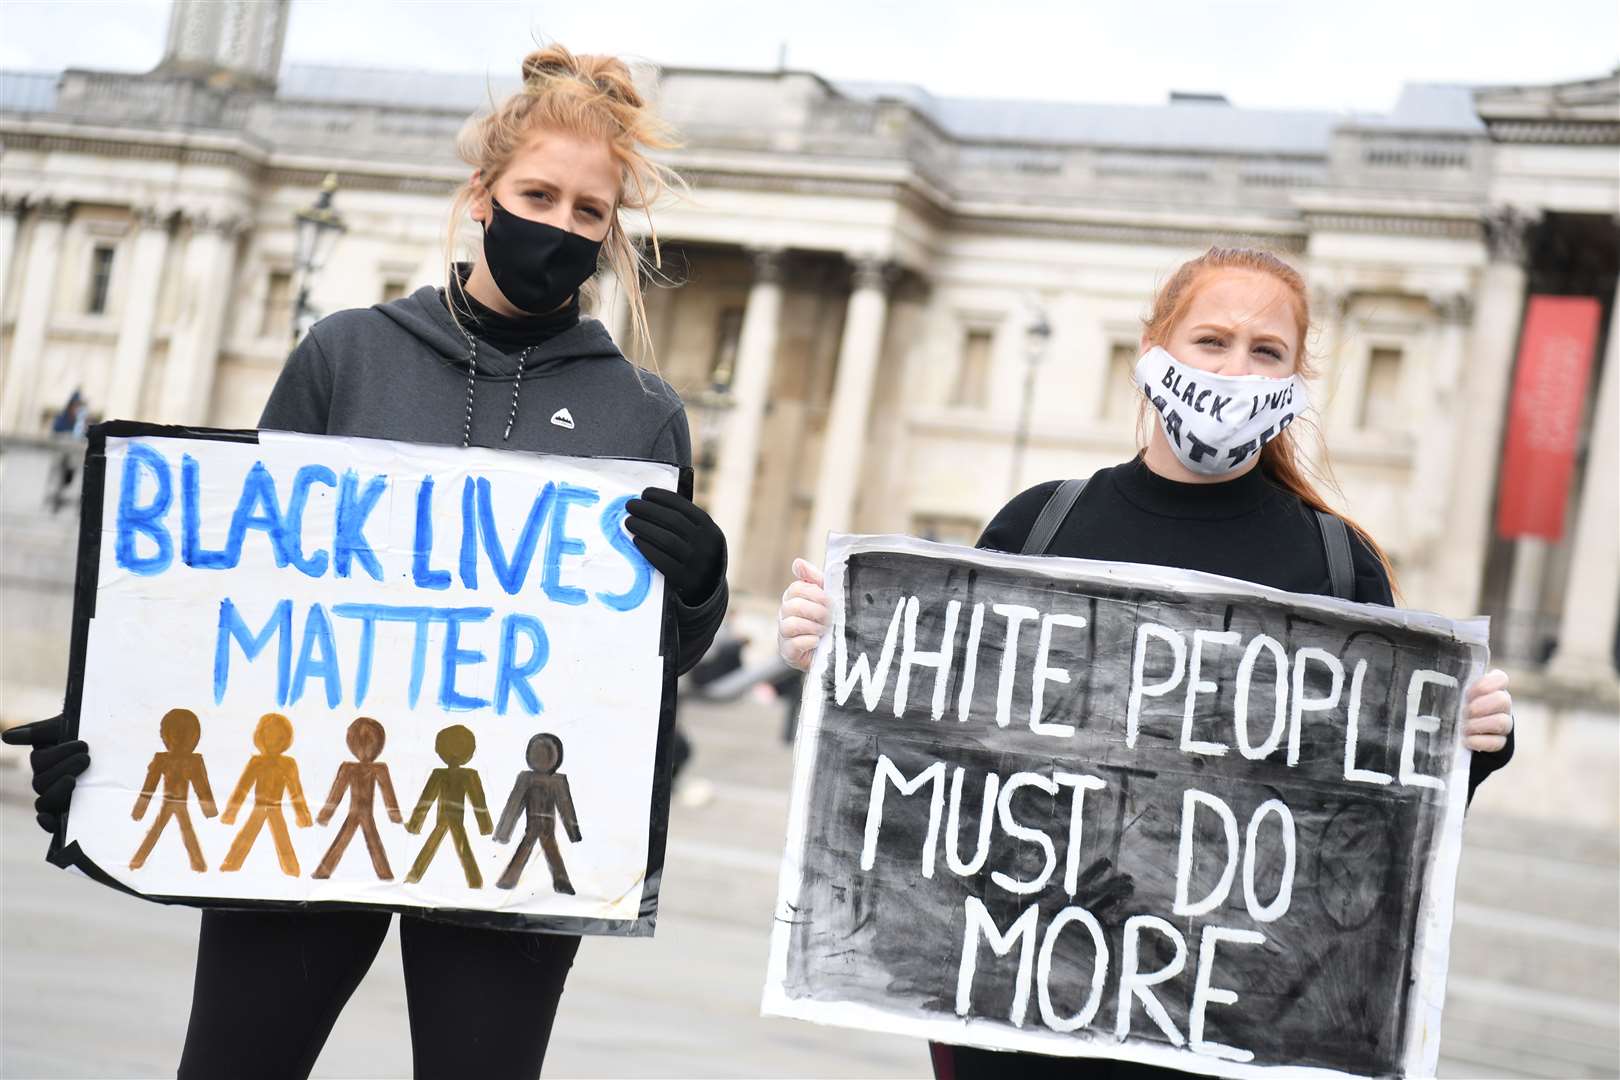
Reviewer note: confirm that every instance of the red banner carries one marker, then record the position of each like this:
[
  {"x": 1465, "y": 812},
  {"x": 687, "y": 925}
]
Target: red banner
[{"x": 1544, "y": 416}]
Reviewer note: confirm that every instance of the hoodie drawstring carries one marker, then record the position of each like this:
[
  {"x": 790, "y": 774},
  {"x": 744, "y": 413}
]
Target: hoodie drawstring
[{"x": 472, "y": 371}]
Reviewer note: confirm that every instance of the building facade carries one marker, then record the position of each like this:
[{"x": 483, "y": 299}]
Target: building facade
[{"x": 857, "y": 280}]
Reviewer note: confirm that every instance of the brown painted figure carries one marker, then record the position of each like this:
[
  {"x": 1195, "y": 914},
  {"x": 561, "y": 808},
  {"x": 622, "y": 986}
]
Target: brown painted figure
[
  {"x": 452, "y": 789},
  {"x": 180, "y": 769},
  {"x": 360, "y": 778},
  {"x": 542, "y": 793},
  {"x": 271, "y": 775}
]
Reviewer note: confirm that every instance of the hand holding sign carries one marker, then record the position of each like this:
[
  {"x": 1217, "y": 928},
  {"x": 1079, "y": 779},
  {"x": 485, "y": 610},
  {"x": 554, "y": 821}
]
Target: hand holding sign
[
  {"x": 681, "y": 541},
  {"x": 802, "y": 618},
  {"x": 56, "y": 763},
  {"x": 1490, "y": 713}
]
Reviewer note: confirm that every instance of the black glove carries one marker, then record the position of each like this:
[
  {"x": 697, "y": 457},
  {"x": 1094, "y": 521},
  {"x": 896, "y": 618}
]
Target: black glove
[
  {"x": 680, "y": 540},
  {"x": 56, "y": 765}
]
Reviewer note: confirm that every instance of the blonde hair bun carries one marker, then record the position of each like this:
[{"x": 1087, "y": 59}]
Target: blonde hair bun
[{"x": 609, "y": 76}]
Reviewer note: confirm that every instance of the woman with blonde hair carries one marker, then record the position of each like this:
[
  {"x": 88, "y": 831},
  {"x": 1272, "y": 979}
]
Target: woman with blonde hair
[
  {"x": 1211, "y": 490},
  {"x": 499, "y": 357}
]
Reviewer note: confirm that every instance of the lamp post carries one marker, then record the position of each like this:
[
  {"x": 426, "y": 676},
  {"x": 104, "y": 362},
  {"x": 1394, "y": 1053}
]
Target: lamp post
[
  {"x": 709, "y": 407},
  {"x": 1037, "y": 336},
  {"x": 318, "y": 228}
]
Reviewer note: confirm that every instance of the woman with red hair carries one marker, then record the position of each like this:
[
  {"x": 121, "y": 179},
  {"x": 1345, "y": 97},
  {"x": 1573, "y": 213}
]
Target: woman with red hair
[{"x": 1221, "y": 493}]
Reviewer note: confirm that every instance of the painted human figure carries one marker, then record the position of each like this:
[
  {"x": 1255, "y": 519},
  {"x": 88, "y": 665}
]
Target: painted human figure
[
  {"x": 272, "y": 776},
  {"x": 452, "y": 788},
  {"x": 541, "y": 792},
  {"x": 360, "y": 778},
  {"x": 181, "y": 770}
]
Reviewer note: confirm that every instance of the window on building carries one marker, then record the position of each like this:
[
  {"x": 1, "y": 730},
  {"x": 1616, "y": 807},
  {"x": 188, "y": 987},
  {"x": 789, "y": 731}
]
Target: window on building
[
  {"x": 1382, "y": 406},
  {"x": 973, "y": 372},
  {"x": 101, "y": 261},
  {"x": 277, "y": 317},
  {"x": 392, "y": 290},
  {"x": 727, "y": 335},
  {"x": 1120, "y": 396}
]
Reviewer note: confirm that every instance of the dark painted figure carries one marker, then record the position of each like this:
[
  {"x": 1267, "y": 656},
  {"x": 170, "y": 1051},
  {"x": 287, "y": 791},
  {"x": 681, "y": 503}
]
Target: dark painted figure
[
  {"x": 452, "y": 789},
  {"x": 542, "y": 793}
]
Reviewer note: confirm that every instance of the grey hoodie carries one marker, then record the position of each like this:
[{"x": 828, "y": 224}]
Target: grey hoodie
[{"x": 399, "y": 371}]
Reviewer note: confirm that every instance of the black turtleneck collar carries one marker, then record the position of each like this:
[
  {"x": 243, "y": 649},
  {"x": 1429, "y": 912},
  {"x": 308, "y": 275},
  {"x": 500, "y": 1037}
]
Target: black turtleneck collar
[
  {"x": 1149, "y": 491},
  {"x": 507, "y": 333}
]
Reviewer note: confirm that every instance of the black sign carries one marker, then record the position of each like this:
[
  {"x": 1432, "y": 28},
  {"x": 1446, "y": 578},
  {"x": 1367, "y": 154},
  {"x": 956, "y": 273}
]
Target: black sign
[{"x": 1124, "y": 812}]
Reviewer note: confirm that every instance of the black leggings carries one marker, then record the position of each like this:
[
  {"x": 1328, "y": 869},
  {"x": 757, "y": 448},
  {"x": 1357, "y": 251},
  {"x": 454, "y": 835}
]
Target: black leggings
[
  {"x": 972, "y": 1063},
  {"x": 270, "y": 986}
]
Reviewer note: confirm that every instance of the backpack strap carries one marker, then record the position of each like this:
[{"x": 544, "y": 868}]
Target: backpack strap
[
  {"x": 1336, "y": 545},
  {"x": 1052, "y": 516}
]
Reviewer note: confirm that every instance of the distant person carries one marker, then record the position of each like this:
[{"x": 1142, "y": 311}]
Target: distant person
[
  {"x": 1244, "y": 509},
  {"x": 788, "y": 686},
  {"x": 723, "y": 658},
  {"x": 74, "y": 417},
  {"x": 498, "y": 357}
]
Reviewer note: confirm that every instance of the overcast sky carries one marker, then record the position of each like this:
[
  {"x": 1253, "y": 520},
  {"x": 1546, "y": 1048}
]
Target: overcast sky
[{"x": 1261, "y": 53}]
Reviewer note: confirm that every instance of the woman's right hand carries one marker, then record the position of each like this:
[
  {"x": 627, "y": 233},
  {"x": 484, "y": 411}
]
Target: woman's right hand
[
  {"x": 802, "y": 618},
  {"x": 56, "y": 764}
]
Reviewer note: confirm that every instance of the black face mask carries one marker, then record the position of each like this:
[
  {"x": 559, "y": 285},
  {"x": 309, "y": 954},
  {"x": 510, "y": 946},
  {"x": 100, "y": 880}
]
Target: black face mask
[{"x": 536, "y": 266}]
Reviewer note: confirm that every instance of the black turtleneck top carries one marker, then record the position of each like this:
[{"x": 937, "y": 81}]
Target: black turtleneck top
[
  {"x": 1247, "y": 528},
  {"x": 505, "y": 333}
]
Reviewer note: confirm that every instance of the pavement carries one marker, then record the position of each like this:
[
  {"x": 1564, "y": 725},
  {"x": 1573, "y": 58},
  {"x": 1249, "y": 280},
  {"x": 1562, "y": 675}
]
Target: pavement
[{"x": 96, "y": 984}]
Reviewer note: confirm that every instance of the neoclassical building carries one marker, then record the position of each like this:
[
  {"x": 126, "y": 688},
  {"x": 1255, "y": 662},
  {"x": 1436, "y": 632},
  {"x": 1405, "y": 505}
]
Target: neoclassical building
[{"x": 888, "y": 311}]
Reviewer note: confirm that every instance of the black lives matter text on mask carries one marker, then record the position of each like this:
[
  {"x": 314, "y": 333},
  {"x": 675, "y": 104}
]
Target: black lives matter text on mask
[
  {"x": 1214, "y": 422},
  {"x": 1123, "y": 814}
]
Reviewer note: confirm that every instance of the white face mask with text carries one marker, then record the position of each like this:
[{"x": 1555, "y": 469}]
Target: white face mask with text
[{"x": 1215, "y": 423}]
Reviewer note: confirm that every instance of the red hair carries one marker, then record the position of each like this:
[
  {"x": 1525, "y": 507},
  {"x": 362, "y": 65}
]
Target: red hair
[{"x": 1280, "y": 458}]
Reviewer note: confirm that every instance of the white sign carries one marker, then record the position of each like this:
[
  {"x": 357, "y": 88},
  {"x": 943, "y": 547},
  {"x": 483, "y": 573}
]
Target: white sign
[{"x": 345, "y": 670}]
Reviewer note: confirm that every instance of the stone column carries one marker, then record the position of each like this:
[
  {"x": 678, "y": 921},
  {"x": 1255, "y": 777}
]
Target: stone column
[
  {"x": 19, "y": 404},
  {"x": 1592, "y": 600},
  {"x": 1482, "y": 393},
  {"x": 750, "y": 386},
  {"x": 1350, "y": 376},
  {"x": 11, "y": 209},
  {"x": 1439, "y": 446},
  {"x": 1328, "y": 306},
  {"x": 1520, "y": 638},
  {"x": 140, "y": 312},
  {"x": 188, "y": 376},
  {"x": 844, "y": 442}
]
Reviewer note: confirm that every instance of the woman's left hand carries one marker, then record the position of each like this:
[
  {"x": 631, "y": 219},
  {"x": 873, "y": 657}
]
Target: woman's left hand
[
  {"x": 680, "y": 541},
  {"x": 1490, "y": 713}
]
